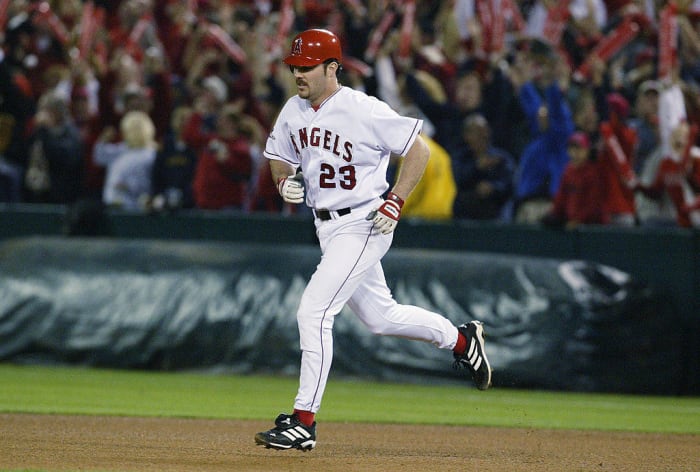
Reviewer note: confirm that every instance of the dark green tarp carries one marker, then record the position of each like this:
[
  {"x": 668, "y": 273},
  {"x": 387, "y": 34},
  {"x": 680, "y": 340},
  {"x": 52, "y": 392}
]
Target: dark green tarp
[{"x": 551, "y": 324}]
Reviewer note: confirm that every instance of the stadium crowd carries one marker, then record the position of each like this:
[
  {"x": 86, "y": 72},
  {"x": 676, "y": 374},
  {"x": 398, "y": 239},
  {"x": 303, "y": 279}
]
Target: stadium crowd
[{"x": 536, "y": 111}]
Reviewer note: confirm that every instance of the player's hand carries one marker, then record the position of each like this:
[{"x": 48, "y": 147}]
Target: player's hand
[
  {"x": 292, "y": 188},
  {"x": 386, "y": 217}
]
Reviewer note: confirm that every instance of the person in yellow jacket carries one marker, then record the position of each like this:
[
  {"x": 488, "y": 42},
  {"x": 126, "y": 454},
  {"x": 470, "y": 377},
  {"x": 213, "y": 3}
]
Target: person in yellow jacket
[{"x": 434, "y": 195}]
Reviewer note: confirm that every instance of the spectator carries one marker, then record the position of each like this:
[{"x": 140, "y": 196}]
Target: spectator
[
  {"x": 16, "y": 109},
  {"x": 55, "y": 163},
  {"x": 585, "y": 113},
  {"x": 391, "y": 86},
  {"x": 10, "y": 182},
  {"x": 173, "y": 170},
  {"x": 224, "y": 165},
  {"x": 88, "y": 125},
  {"x": 579, "y": 199},
  {"x": 35, "y": 46},
  {"x": 673, "y": 181},
  {"x": 433, "y": 197},
  {"x": 17, "y": 105},
  {"x": 176, "y": 21},
  {"x": 156, "y": 89},
  {"x": 616, "y": 159},
  {"x": 129, "y": 163},
  {"x": 657, "y": 209},
  {"x": 478, "y": 89},
  {"x": 542, "y": 162},
  {"x": 209, "y": 97},
  {"x": 121, "y": 89},
  {"x": 645, "y": 122},
  {"x": 143, "y": 51},
  {"x": 483, "y": 173}
]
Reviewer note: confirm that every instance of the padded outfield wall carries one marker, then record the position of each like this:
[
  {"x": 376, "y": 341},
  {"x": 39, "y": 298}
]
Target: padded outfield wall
[{"x": 666, "y": 259}]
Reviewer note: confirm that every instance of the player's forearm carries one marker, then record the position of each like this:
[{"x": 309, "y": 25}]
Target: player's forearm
[
  {"x": 280, "y": 169},
  {"x": 412, "y": 169}
]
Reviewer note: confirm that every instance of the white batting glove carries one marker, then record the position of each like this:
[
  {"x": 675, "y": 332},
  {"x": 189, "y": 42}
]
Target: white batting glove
[
  {"x": 292, "y": 188},
  {"x": 386, "y": 217}
]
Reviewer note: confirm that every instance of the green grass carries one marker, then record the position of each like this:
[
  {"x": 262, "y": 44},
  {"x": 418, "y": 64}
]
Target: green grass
[{"x": 70, "y": 390}]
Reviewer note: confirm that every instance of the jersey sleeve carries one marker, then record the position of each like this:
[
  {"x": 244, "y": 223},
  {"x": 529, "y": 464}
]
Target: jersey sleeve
[
  {"x": 395, "y": 133},
  {"x": 279, "y": 145}
]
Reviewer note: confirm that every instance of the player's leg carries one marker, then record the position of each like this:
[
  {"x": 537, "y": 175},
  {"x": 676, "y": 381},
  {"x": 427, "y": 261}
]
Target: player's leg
[
  {"x": 347, "y": 255},
  {"x": 374, "y": 305}
]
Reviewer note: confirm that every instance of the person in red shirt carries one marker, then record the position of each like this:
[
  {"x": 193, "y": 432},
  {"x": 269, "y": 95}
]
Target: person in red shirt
[
  {"x": 224, "y": 166},
  {"x": 616, "y": 160},
  {"x": 579, "y": 199}
]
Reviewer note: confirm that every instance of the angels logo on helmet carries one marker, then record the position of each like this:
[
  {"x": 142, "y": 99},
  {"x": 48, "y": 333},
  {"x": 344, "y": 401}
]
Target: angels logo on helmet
[{"x": 296, "y": 46}]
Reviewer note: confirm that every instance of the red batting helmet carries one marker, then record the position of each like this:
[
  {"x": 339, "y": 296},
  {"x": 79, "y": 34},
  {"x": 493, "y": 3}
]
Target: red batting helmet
[{"x": 312, "y": 47}]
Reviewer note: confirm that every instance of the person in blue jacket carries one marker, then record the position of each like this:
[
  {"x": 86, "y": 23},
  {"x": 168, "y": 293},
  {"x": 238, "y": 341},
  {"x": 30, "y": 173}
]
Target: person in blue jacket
[{"x": 542, "y": 162}]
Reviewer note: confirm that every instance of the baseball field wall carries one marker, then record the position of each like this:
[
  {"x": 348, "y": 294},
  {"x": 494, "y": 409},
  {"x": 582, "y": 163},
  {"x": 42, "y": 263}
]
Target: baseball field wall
[{"x": 597, "y": 309}]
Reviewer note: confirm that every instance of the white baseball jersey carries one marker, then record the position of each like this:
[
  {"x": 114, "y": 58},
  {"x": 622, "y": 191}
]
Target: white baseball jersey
[{"x": 343, "y": 147}]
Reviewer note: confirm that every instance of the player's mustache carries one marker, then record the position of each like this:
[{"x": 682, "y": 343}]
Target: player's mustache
[{"x": 301, "y": 82}]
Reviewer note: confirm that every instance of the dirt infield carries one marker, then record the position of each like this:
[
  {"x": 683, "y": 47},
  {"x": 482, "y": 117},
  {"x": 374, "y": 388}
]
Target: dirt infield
[{"x": 54, "y": 443}]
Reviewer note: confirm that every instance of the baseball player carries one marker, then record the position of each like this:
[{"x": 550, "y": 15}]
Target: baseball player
[{"x": 330, "y": 147}]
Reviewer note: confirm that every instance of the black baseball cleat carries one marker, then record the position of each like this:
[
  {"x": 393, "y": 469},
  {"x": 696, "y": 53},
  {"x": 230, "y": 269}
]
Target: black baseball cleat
[
  {"x": 288, "y": 433},
  {"x": 474, "y": 358}
]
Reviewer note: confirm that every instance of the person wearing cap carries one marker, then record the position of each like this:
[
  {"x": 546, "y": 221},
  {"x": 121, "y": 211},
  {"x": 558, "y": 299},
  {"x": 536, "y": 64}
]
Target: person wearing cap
[
  {"x": 579, "y": 198},
  {"x": 645, "y": 122},
  {"x": 330, "y": 148},
  {"x": 211, "y": 96}
]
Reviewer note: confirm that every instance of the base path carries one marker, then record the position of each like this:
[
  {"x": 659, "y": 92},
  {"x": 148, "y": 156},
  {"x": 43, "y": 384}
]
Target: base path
[{"x": 106, "y": 444}]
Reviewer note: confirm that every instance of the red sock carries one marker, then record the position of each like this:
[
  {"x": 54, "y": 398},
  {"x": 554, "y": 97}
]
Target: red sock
[
  {"x": 461, "y": 345},
  {"x": 306, "y": 417}
]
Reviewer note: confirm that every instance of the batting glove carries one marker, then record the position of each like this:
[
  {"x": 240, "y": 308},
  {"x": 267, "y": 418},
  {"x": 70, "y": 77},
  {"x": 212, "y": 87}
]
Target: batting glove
[
  {"x": 291, "y": 188},
  {"x": 386, "y": 217}
]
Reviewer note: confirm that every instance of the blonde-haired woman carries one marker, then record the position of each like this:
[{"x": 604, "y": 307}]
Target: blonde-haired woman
[{"x": 129, "y": 163}]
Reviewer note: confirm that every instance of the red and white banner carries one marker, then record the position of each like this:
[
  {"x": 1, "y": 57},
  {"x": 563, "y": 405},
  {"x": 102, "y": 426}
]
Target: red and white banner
[
  {"x": 378, "y": 35},
  {"x": 407, "y": 25},
  {"x": 498, "y": 32},
  {"x": 511, "y": 11},
  {"x": 688, "y": 152},
  {"x": 622, "y": 164},
  {"x": 668, "y": 41},
  {"x": 355, "y": 65},
  {"x": 88, "y": 27},
  {"x": 191, "y": 7},
  {"x": 285, "y": 25},
  {"x": 609, "y": 45},
  {"x": 4, "y": 6},
  {"x": 555, "y": 23},
  {"x": 45, "y": 16},
  {"x": 357, "y": 6},
  {"x": 133, "y": 42},
  {"x": 226, "y": 42},
  {"x": 485, "y": 13},
  {"x": 496, "y": 21}
]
